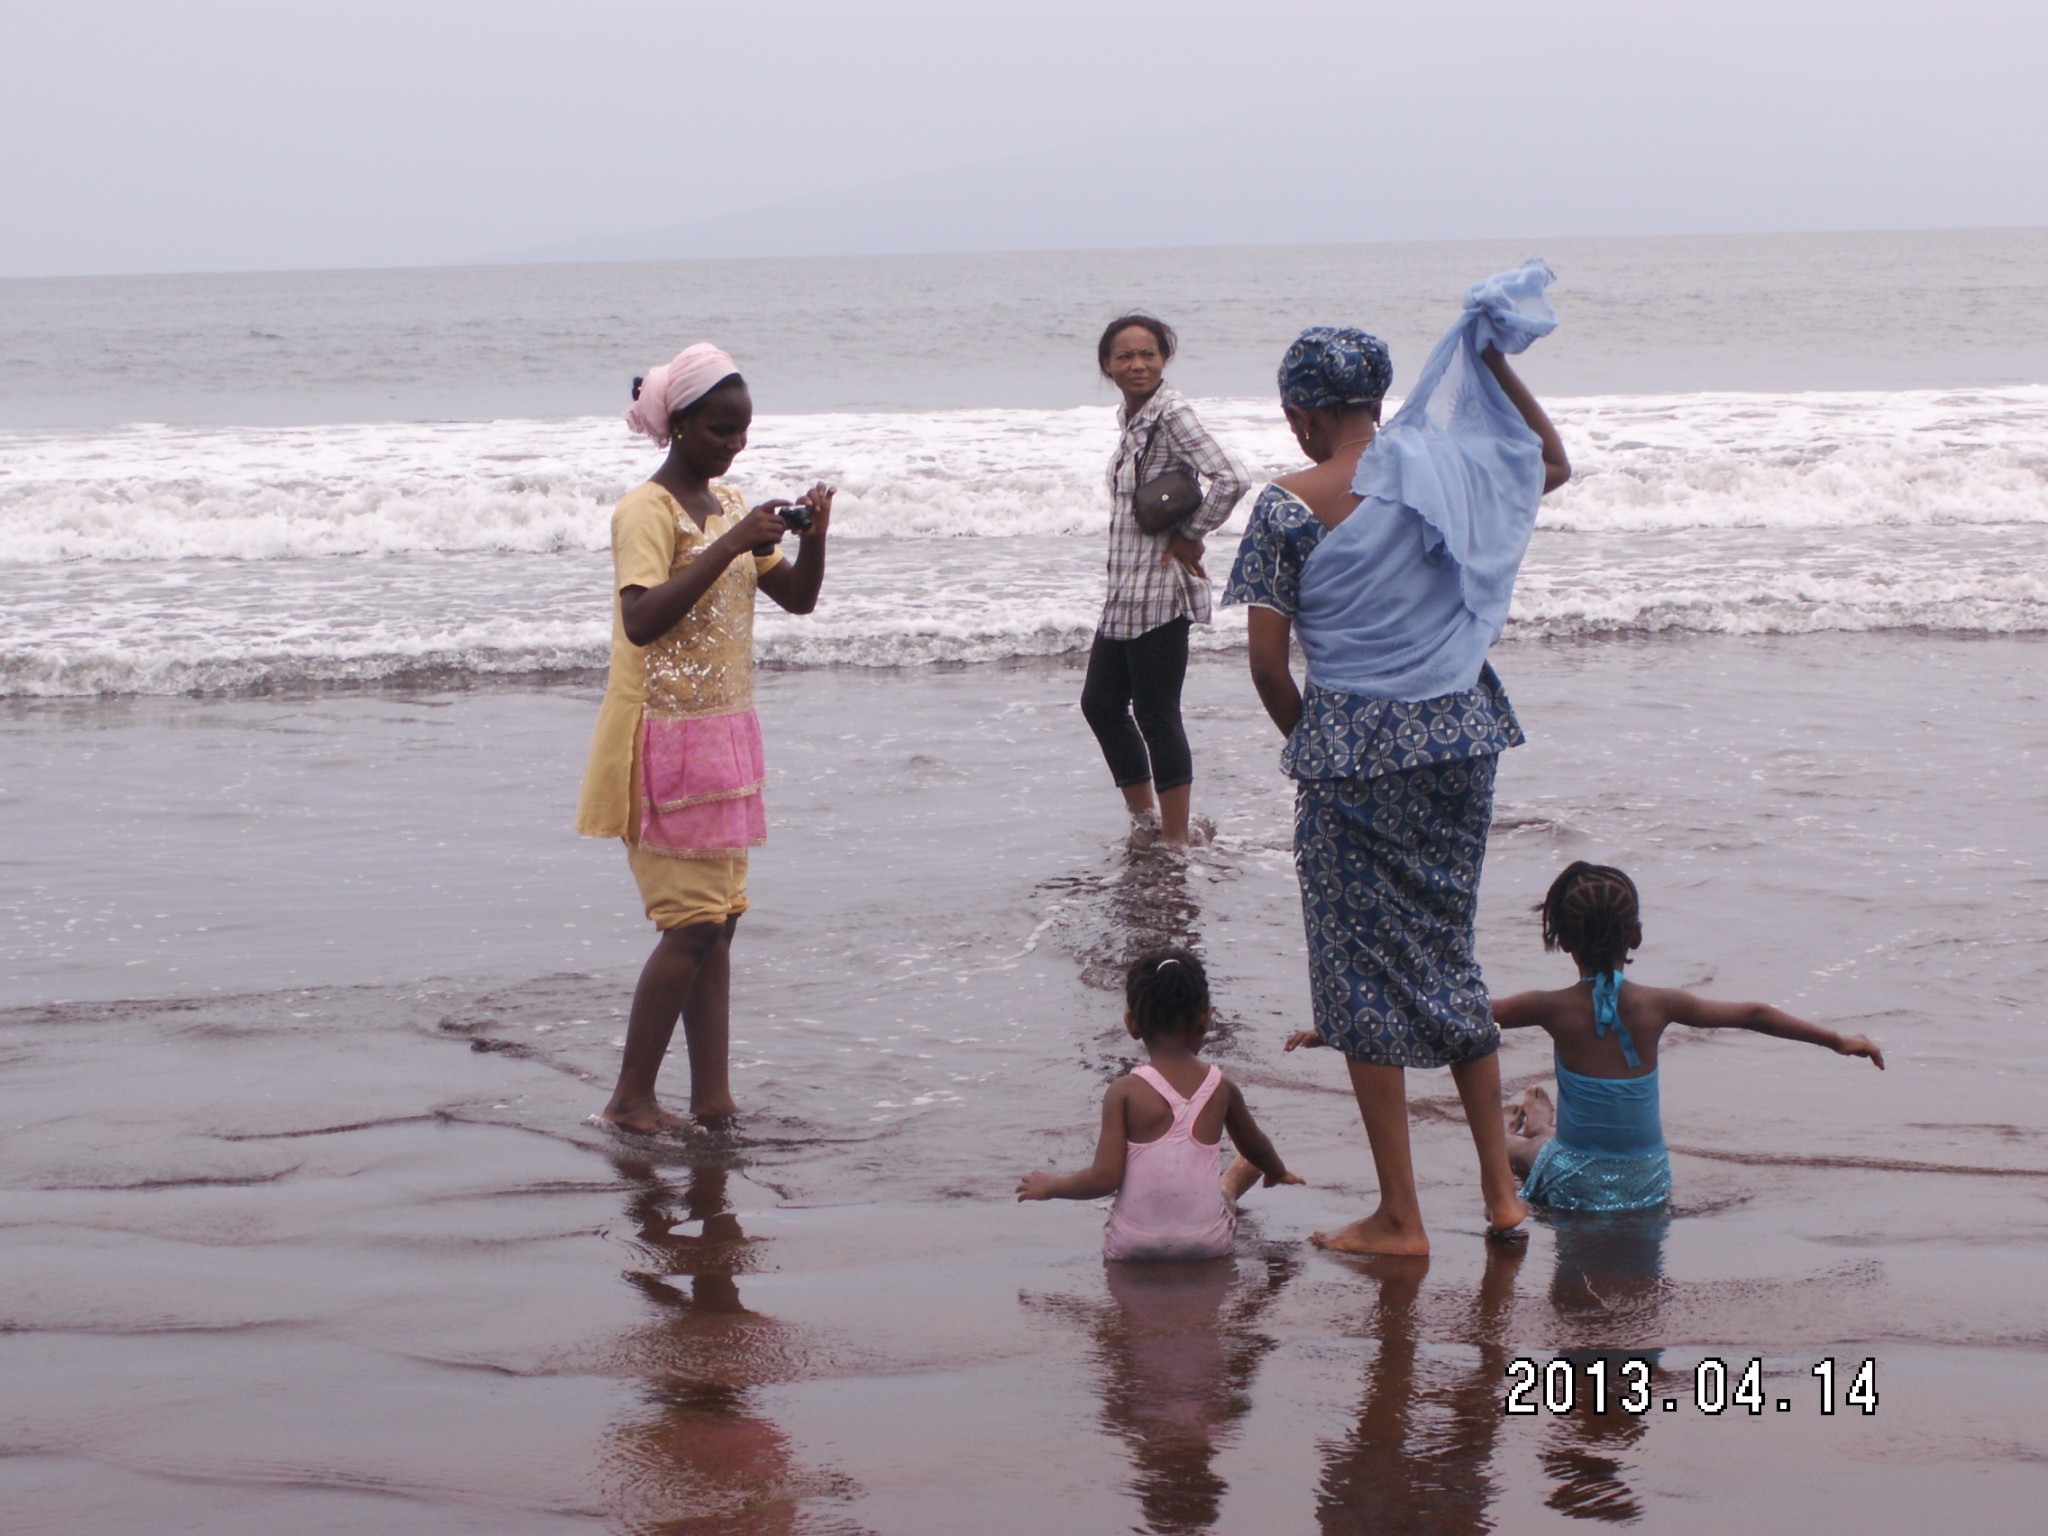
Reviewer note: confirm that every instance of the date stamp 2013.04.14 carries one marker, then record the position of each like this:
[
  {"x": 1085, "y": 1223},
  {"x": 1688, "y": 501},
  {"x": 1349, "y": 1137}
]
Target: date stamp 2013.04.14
[{"x": 1607, "y": 1383}]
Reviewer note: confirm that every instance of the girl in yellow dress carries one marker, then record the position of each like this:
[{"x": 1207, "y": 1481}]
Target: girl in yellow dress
[{"x": 676, "y": 766}]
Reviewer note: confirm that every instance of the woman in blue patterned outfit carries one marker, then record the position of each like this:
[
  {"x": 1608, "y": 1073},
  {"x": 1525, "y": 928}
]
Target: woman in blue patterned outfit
[{"x": 1394, "y": 792}]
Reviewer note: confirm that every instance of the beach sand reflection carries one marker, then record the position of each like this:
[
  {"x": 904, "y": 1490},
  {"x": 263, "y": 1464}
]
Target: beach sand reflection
[
  {"x": 702, "y": 1457},
  {"x": 1175, "y": 1348},
  {"x": 1608, "y": 1285},
  {"x": 1419, "y": 1456}
]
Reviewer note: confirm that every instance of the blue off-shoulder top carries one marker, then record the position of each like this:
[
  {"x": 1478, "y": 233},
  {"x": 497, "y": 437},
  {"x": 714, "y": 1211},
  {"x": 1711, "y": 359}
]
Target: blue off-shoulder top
[{"x": 1351, "y": 735}]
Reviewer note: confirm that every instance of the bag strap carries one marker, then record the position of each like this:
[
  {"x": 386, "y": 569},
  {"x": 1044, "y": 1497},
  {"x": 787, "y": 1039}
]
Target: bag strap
[
  {"x": 1145, "y": 453},
  {"x": 1151, "y": 438}
]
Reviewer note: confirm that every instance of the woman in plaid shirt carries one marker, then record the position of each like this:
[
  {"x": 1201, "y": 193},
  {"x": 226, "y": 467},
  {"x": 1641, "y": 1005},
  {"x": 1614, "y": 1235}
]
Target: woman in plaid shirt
[{"x": 1157, "y": 586}]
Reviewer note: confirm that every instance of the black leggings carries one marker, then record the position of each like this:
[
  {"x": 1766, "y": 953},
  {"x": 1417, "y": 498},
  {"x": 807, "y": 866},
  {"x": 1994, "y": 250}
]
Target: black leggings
[{"x": 1140, "y": 677}]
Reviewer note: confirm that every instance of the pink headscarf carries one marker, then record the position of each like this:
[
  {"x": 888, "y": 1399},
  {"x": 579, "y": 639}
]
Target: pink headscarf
[{"x": 682, "y": 381}]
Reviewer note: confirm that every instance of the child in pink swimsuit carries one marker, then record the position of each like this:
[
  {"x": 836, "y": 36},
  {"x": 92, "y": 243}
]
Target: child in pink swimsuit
[{"x": 1161, "y": 1127}]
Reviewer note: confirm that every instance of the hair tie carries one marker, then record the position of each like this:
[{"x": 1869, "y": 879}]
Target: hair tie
[{"x": 1162, "y": 965}]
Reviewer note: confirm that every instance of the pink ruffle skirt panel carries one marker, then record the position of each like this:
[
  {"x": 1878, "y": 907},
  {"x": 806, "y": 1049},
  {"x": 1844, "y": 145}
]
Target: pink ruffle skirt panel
[{"x": 700, "y": 785}]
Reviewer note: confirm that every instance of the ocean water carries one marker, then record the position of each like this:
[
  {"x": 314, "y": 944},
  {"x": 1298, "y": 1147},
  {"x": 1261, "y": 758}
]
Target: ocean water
[
  {"x": 260, "y": 526},
  {"x": 1926, "y": 309}
]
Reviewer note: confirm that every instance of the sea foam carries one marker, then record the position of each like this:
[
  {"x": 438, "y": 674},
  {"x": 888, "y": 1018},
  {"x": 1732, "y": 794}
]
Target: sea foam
[
  {"x": 1643, "y": 463},
  {"x": 160, "y": 560}
]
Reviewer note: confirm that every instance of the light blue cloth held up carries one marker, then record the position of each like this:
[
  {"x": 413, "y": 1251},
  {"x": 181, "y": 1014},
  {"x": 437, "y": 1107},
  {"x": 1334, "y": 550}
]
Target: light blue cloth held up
[{"x": 1404, "y": 597}]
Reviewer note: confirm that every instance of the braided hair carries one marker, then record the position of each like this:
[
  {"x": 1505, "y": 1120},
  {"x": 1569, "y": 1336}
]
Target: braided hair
[
  {"x": 1591, "y": 912},
  {"x": 1167, "y": 992}
]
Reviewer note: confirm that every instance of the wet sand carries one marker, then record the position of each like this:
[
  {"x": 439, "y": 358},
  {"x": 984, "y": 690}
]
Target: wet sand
[{"x": 306, "y": 998}]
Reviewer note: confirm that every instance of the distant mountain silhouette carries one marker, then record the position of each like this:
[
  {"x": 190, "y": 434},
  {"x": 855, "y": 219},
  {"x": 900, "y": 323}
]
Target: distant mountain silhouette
[
  {"x": 1343, "y": 171},
  {"x": 1220, "y": 184}
]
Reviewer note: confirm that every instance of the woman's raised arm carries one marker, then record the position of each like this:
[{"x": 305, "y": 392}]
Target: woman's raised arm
[{"x": 1556, "y": 467}]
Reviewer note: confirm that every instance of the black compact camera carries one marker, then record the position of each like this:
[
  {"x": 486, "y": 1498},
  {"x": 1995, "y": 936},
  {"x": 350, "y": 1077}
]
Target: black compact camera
[{"x": 797, "y": 518}]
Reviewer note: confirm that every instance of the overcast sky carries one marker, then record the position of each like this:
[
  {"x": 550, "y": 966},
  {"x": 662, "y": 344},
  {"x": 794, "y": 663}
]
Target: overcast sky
[{"x": 180, "y": 135}]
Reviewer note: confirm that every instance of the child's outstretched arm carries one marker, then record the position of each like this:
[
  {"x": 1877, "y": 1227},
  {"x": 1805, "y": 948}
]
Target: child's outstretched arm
[
  {"x": 1524, "y": 1010},
  {"x": 1252, "y": 1143},
  {"x": 1102, "y": 1177},
  {"x": 1762, "y": 1019}
]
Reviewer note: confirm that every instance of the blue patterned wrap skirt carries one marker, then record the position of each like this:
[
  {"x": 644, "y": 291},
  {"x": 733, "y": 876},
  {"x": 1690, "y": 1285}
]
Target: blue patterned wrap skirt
[{"x": 1389, "y": 869}]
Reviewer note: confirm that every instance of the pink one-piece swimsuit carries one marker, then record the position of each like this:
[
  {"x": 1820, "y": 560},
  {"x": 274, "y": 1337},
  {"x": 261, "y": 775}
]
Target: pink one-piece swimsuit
[{"x": 1171, "y": 1203}]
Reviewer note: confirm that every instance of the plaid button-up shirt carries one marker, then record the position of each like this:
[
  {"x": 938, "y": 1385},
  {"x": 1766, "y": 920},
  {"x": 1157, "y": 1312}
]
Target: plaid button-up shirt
[{"x": 1146, "y": 588}]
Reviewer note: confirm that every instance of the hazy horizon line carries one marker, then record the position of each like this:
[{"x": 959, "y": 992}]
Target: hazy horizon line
[{"x": 514, "y": 259}]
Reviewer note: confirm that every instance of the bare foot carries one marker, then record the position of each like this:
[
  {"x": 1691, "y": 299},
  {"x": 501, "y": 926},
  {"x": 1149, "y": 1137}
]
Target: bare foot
[
  {"x": 1532, "y": 1115},
  {"x": 712, "y": 1111},
  {"x": 1376, "y": 1234},
  {"x": 646, "y": 1118},
  {"x": 1539, "y": 1114},
  {"x": 1504, "y": 1217},
  {"x": 1144, "y": 829}
]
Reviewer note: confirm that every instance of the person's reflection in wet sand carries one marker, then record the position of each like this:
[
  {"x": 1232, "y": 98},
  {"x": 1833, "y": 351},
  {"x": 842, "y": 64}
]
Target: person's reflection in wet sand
[
  {"x": 1419, "y": 1457},
  {"x": 703, "y": 1459},
  {"x": 1177, "y": 1350},
  {"x": 1609, "y": 1281}
]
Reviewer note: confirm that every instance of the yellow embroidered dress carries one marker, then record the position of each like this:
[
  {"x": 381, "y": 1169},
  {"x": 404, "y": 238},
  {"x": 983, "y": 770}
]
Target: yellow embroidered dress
[{"x": 676, "y": 765}]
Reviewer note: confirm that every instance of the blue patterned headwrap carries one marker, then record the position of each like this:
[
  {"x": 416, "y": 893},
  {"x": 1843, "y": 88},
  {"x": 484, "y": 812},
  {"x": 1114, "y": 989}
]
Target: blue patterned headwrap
[{"x": 1330, "y": 366}]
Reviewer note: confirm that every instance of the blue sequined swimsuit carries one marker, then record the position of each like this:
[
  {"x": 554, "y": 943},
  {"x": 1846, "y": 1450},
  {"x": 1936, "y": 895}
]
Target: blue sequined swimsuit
[{"x": 1608, "y": 1153}]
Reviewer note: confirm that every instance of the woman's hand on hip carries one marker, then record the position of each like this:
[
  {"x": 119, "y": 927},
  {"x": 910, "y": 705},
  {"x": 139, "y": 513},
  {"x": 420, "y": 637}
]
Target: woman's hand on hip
[{"x": 1186, "y": 551}]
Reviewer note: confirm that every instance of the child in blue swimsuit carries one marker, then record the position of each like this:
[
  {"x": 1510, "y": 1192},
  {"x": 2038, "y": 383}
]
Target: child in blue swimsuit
[{"x": 1602, "y": 1148}]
